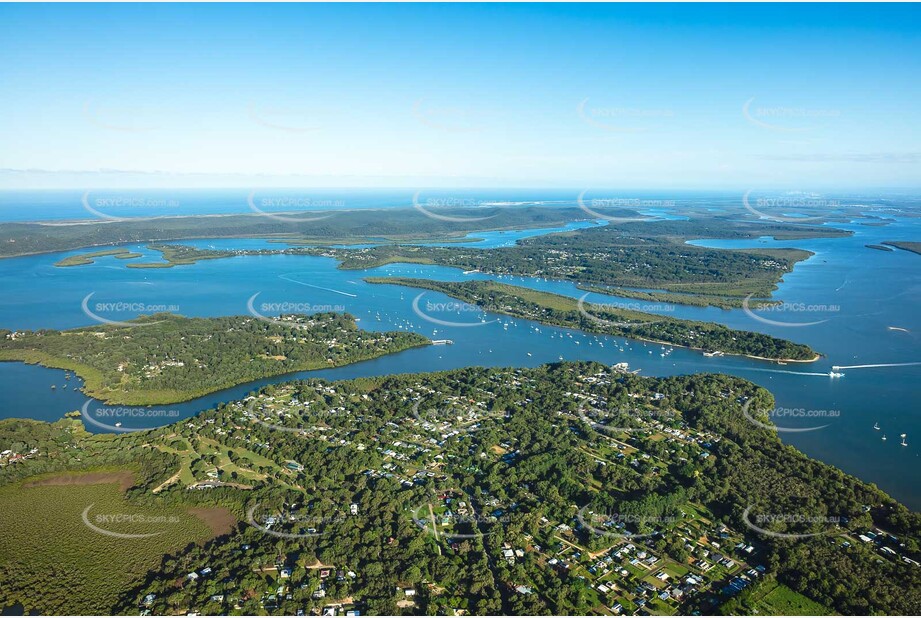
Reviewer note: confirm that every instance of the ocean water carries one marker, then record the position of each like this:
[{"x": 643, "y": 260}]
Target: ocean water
[
  {"x": 856, "y": 306},
  {"x": 96, "y": 204}
]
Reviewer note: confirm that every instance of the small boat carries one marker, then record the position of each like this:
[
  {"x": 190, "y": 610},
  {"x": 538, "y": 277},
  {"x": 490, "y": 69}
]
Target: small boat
[
  {"x": 884, "y": 436},
  {"x": 118, "y": 424},
  {"x": 835, "y": 374},
  {"x": 53, "y": 387},
  {"x": 876, "y": 426},
  {"x": 904, "y": 443}
]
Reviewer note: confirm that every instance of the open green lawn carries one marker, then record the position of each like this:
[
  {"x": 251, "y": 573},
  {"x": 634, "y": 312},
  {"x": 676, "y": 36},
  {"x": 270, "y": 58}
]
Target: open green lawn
[
  {"x": 783, "y": 601},
  {"x": 208, "y": 449},
  {"x": 770, "y": 598},
  {"x": 52, "y": 561}
]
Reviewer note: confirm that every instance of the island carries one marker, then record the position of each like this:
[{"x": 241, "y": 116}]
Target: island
[
  {"x": 640, "y": 260},
  {"x": 905, "y": 245},
  {"x": 556, "y": 310},
  {"x": 178, "y": 255},
  {"x": 167, "y": 358},
  {"x": 678, "y": 298},
  {"x": 85, "y": 259},
  {"x": 173, "y": 255},
  {"x": 554, "y": 490},
  {"x": 645, "y": 260},
  {"x": 341, "y": 226}
]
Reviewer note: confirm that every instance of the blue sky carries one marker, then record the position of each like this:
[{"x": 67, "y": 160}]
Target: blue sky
[{"x": 804, "y": 97}]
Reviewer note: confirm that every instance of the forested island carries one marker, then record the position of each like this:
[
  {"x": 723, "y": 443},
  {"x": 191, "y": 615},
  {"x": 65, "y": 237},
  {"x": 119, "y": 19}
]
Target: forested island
[
  {"x": 567, "y": 489},
  {"x": 167, "y": 358},
  {"x": 394, "y": 224},
  {"x": 173, "y": 255},
  {"x": 557, "y": 310},
  {"x": 85, "y": 259},
  {"x": 629, "y": 259},
  {"x": 905, "y": 245},
  {"x": 634, "y": 258},
  {"x": 178, "y": 255},
  {"x": 644, "y": 260}
]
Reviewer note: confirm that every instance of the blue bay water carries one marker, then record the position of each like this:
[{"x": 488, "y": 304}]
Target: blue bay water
[
  {"x": 96, "y": 204},
  {"x": 859, "y": 293}
]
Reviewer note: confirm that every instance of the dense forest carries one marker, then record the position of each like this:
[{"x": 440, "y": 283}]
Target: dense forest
[
  {"x": 650, "y": 256},
  {"x": 28, "y": 238},
  {"x": 166, "y": 358},
  {"x": 638, "y": 258},
  {"x": 609, "y": 320},
  {"x": 523, "y": 448}
]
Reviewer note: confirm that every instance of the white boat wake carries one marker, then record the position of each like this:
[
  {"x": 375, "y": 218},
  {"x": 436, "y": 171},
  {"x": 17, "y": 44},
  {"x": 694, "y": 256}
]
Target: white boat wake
[
  {"x": 836, "y": 367},
  {"x": 317, "y": 287},
  {"x": 795, "y": 373}
]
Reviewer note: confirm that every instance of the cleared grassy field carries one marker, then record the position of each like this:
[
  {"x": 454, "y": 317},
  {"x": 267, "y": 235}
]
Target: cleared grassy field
[
  {"x": 209, "y": 450},
  {"x": 782, "y": 601},
  {"x": 69, "y": 544},
  {"x": 770, "y": 598}
]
